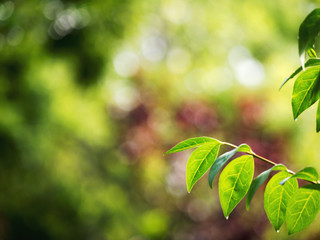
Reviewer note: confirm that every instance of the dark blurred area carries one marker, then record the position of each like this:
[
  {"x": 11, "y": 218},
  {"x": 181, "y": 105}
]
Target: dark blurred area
[{"x": 92, "y": 93}]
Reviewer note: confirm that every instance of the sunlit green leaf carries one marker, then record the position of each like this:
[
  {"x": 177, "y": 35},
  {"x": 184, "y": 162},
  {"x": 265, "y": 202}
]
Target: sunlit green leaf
[
  {"x": 234, "y": 182},
  {"x": 308, "y": 30},
  {"x": 276, "y": 198},
  {"x": 256, "y": 183},
  {"x": 308, "y": 174},
  {"x": 244, "y": 148},
  {"x": 191, "y": 143},
  {"x": 223, "y": 159},
  {"x": 303, "y": 95},
  {"x": 200, "y": 161},
  {"x": 310, "y": 63},
  {"x": 303, "y": 207}
]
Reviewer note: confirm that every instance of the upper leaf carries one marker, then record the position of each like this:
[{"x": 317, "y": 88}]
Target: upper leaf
[
  {"x": 276, "y": 198},
  {"x": 308, "y": 174},
  {"x": 191, "y": 143},
  {"x": 310, "y": 63},
  {"x": 303, "y": 95},
  {"x": 303, "y": 208},
  {"x": 234, "y": 182},
  {"x": 223, "y": 159},
  {"x": 308, "y": 30},
  {"x": 256, "y": 183},
  {"x": 200, "y": 161}
]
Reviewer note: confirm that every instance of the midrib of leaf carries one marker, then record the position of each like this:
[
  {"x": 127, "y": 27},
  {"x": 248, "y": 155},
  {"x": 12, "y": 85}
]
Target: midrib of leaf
[
  {"x": 204, "y": 159},
  {"x": 278, "y": 217},
  {"x": 304, "y": 206},
  {"x": 280, "y": 202},
  {"x": 235, "y": 184}
]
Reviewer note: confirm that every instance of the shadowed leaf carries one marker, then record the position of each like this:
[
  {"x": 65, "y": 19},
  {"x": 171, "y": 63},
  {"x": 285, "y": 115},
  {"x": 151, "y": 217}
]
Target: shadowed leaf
[
  {"x": 308, "y": 30},
  {"x": 259, "y": 180},
  {"x": 223, "y": 159}
]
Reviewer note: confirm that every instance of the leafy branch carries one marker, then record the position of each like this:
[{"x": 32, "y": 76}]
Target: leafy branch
[{"x": 284, "y": 200}]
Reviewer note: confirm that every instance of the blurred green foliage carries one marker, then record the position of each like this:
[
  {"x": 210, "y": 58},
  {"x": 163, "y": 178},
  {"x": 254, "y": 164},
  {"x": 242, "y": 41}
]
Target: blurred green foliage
[{"x": 92, "y": 93}]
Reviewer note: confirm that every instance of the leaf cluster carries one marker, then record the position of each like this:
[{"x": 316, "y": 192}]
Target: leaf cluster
[
  {"x": 306, "y": 89},
  {"x": 284, "y": 201}
]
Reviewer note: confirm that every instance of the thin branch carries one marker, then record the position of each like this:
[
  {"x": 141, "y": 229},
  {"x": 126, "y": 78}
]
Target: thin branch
[{"x": 264, "y": 160}]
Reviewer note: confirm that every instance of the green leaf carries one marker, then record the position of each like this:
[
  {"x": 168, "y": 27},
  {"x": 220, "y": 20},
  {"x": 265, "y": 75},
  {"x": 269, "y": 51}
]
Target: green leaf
[
  {"x": 308, "y": 174},
  {"x": 276, "y": 198},
  {"x": 234, "y": 182},
  {"x": 318, "y": 117},
  {"x": 223, "y": 159},
  {"x": 200, "y": 161},
  {"x": 244, "y": 148},
  {"x": 310, "y": 63},
  {"x": 311, "y": 53},
  {"x": 303, "y": 207},
  {"x": 191, "y": 143},
  {"x": 256, "y": 183},
  {"x": 308, "y": 30},
  {"x": 303, "y": 95}
]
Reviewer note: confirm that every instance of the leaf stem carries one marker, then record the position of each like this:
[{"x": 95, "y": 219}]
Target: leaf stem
[{"x": 264, "y": 159}]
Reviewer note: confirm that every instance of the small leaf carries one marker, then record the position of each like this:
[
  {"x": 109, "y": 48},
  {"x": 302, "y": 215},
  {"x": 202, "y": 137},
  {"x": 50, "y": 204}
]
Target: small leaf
[
  {"x": 310, "y": 63},
  {"x": 259, "y": 180},
  {"x": 311, "y": 53},
  {"x": 303, "y": 207},
  {"x": 200, "y": 161},
  {"x": 223, "y": 159},
  {"x": 191, "y": 143},
  {"x": 276, "y": 198},
  {"x": 234, "y": 182},
  {"x": 318, "y": 117},
  {"x": 244, "y": 148},
  {"x": 308, "y": 174},
  {"x": 303, "y": 95},
  {"x": 308, "y": 30}
]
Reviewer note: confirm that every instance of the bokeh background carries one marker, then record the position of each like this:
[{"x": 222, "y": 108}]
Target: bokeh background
[{"x": 92, "y": 93}]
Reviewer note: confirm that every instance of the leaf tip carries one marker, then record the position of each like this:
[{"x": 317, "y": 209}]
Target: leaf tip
[
  {"x": 278, "y": 230},
  {"x": 189, "y": 188},
  {"x": 227, "y": 217}
]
